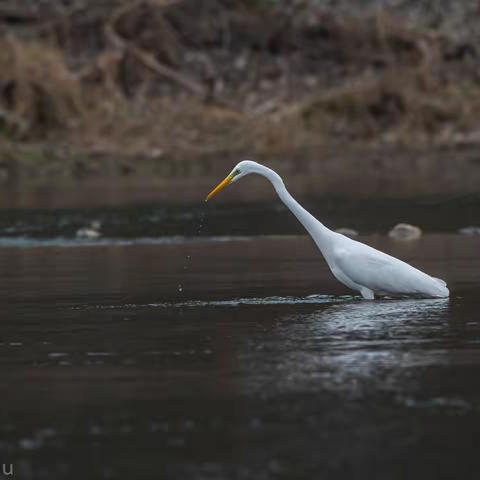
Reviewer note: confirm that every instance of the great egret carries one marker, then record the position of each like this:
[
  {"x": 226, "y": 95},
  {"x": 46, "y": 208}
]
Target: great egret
[{"x": 356, "y": 265}]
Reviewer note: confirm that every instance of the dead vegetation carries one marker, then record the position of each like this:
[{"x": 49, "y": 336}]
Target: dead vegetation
[
  {"x": 176, "y": 77},
  {"x": 39, "y": 92}
]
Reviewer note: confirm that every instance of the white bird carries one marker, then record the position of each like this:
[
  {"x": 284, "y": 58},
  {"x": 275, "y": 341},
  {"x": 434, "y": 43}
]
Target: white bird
[{"x": 356, "y": 265}]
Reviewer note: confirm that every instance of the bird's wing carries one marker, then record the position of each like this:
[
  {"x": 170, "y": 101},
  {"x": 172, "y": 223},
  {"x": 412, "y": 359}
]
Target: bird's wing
[
  {"x": 443, "y": 283},
  {"x": 381, "y": 272}
]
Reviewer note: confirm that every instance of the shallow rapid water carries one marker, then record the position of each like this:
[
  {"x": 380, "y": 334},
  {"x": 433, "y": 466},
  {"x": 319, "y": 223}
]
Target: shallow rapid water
[
  {"x": 165, "y": 223},
  {"x": 238, "y": 359}
]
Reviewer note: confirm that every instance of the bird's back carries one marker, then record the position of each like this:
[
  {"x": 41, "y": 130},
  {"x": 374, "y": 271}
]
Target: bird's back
[{"x": 382, "y": 273}]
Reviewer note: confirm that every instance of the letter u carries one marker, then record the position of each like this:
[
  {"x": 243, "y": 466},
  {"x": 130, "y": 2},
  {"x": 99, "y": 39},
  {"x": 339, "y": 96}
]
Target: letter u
[{"x": 9, "y": 472}]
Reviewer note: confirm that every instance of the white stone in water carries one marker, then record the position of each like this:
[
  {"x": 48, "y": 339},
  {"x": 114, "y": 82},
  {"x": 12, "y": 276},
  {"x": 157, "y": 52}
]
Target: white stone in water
[
  {"x": 405, "y": 231},
  {"x": 348, "y": 232},
  {"x": 91, "y": 231},
  {"x": 87, "y": 233},
  {"x": 471, "y": 230}
]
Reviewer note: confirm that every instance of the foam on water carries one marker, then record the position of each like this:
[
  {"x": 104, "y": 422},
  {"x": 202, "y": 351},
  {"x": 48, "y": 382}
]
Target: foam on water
[
  {"x": 80, "y": 242},
  {"x": 235, "y": 302}
]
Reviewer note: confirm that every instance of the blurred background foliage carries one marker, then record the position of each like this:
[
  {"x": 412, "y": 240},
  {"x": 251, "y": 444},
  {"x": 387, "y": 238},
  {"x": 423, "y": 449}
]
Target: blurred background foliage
[{"x": 182, "y": 78}]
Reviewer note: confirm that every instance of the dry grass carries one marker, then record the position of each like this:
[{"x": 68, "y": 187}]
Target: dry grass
[
  {"x": 148, "y": 91},
  {"x": 38, "y": 92},
  {"x": 400, "y": 106}
]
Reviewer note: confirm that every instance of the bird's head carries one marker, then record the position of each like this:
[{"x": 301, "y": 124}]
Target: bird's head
[{"x": 240, "y": 170}]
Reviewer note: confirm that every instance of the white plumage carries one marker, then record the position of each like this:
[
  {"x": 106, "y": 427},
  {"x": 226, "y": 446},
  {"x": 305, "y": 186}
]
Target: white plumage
[{"x": 356, "y": 265}]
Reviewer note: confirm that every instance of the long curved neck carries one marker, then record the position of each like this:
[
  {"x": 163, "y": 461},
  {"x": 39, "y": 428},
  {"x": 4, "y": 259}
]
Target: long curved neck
[{"x": 320, "y": 233}]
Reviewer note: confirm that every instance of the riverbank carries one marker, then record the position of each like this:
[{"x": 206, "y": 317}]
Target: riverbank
[{"x": 147, "y": 91}]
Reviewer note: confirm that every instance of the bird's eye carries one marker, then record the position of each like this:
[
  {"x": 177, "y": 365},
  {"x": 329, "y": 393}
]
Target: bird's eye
[{"x": 236, "y": 172}]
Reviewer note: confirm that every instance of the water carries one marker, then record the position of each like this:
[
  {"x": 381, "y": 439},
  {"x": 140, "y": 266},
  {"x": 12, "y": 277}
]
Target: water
[
  {"x": 164, "y": 222},
  {"x": 261, "y": 366}
]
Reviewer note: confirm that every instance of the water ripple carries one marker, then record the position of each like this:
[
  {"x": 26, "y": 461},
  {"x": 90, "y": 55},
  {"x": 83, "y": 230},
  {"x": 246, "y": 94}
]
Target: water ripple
[
  {"x": 30, "y": 242},
  {"x": 273, "y": 300}
]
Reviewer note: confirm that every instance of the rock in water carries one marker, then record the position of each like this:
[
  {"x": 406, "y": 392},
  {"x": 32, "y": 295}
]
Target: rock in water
[
  {"x": 348, "y": 232},
  {"x": 471, "y": 231},
  {"x": 90, "y": 232},
  {"x": 405, "y": 231}
]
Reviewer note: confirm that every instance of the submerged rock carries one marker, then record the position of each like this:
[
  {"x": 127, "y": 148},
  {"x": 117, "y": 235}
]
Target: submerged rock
[
  {"x": 90, "y": 232},
  {"x": 471, "y": 231},
  {"x": 405, "y": 231},
  {"x": 348, "y": 232}
]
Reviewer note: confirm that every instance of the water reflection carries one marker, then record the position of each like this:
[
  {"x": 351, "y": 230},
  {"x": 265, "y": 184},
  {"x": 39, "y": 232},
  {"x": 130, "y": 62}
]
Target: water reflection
[
  {"x": 375, "y": 315},
  {"x": 350, "y": 345}
]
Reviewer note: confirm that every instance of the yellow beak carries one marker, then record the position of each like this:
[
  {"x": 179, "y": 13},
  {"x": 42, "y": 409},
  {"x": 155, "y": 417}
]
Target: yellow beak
[{"x": 219, "y": 187}]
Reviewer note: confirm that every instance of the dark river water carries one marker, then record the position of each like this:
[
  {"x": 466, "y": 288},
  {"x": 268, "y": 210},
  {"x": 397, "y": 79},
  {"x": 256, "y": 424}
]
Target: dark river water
[{"x": 147, "y": 355}]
